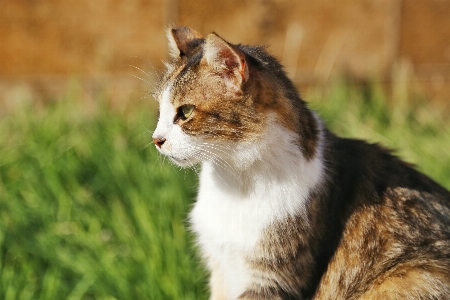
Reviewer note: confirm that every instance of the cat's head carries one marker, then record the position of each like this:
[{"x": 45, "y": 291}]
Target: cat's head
[{"x": 217, "y": 100}]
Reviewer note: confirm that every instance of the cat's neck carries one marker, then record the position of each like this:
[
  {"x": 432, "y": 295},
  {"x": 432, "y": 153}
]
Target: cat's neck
[{"x": 276, "y": 159}]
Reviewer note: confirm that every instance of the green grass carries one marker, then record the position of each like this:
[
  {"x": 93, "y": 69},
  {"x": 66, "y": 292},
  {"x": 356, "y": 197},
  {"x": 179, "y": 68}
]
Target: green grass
[
  {"x": 417, "y": 131},
  {"x": 88, "y": 210}
]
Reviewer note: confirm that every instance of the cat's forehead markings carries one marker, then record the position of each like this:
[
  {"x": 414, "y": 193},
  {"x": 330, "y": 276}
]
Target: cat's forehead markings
[{"x": 167, "y": 92}]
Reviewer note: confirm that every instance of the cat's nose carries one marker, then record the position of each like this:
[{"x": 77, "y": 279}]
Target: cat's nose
[{"x": 159, "y": 141}]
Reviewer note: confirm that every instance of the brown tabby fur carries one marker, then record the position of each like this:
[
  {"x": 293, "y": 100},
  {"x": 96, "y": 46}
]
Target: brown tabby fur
[{"x": 375, "y": 229}]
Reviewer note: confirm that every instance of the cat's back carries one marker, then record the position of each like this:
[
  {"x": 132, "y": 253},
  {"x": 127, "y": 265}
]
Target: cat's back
[{"x": 395, "y": 241}]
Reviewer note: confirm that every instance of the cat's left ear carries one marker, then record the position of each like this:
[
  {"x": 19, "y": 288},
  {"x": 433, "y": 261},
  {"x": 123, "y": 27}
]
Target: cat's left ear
[
  {"x": 228, "y": 60},
  {"x": 183, "y": 41}
]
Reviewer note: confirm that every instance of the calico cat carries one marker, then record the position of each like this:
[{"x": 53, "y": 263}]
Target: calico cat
[{"x": 285, "y": 208}]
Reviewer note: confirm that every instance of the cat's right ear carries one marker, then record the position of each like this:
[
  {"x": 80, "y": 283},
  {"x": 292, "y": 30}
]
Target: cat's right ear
[
  {"x": 228, "y": 60},
  {"x": 182, "y": 41}
]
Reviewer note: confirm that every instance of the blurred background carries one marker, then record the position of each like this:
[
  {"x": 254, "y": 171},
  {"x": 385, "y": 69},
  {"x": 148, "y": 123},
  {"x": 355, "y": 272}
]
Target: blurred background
[
  {"x": 45, "y": 42},
  {"x": 89, "y": 210}
]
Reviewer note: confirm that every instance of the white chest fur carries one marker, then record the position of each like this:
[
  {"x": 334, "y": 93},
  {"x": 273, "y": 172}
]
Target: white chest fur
[{"x": 232, "y": 211}]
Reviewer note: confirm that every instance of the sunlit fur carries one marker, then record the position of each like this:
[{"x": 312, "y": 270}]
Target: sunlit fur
[
  {"x": 234, "y": 207},
  {"x": 285, "y": 209}
]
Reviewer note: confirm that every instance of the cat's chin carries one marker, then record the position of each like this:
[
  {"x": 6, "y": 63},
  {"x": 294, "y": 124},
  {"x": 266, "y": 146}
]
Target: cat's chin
[{"x": 183, "y": 162}]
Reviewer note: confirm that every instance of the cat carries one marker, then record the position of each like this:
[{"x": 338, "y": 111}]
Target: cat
[{"x": 285, "y": 208}]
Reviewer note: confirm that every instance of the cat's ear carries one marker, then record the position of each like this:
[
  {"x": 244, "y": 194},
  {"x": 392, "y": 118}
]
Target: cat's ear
[
  {"x": 182, "y": 41},
  {"x": 228, "y": 60}
]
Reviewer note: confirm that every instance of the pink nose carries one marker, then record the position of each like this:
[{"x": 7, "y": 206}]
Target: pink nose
[{"x": 159, "y": 141}]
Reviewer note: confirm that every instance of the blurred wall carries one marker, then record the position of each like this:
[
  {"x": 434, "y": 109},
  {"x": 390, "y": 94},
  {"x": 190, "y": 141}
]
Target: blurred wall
[{"x": 44, "y": 42}]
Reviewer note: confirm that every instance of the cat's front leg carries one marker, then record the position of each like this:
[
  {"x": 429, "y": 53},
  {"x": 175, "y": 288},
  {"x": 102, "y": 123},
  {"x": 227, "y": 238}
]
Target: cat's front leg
[{"x": 216, "y": 283}]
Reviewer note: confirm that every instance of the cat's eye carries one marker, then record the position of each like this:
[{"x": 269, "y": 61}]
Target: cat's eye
[
  {"x": 184, "y": 112},
  {"x": 187, "y": 110}
]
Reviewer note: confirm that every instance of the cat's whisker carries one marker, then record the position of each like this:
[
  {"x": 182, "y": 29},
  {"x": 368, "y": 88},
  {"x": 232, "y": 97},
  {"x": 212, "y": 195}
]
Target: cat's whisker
[
  {"x": 164, "y": 159},
  {"x": 221, "y": 148},
  {"x": 142, "y": 79},
  {"x": 193, "y": 167},
  {"x": 204, "y": 153},
  {"x": 224, "y": 149},
  {"x": 149, "y": 63},
  {"x": 223, "y": 169},
  {"x": 202, "y": 147},
  {"x": 148, "y": 144},
  {"x": 148, "y": 130},
  {"x": 218, "y": 160},
  {"x": 160, "y": 160},
  {"x": 204, "y": 156},
  {"x": 145, "y": 73}
]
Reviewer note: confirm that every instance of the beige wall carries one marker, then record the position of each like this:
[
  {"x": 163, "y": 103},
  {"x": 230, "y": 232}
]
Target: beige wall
[
  {"x": 312, "y": 38},
  {"x": 44, "y": 41},
  {"x": 53, "y": 37}
]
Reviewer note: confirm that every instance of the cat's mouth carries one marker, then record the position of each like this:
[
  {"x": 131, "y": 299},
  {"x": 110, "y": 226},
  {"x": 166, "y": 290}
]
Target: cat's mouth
[{"x": 183, "y": 162}]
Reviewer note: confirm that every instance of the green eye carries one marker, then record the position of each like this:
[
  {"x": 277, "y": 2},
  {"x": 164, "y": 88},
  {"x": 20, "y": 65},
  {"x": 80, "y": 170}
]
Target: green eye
[{"x": 185, "y": 111}]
